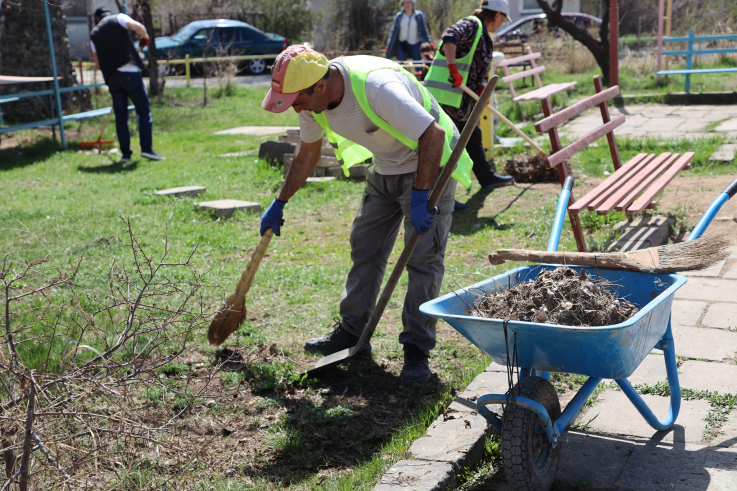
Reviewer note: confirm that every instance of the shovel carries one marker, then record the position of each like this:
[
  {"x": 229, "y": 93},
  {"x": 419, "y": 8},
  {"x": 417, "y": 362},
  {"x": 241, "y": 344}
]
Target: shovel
[{"x": 341, "y": 356}]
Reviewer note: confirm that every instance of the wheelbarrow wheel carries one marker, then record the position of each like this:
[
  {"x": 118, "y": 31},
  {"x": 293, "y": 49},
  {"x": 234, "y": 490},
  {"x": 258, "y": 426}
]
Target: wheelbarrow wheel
[{"x": 529, "y": 459}]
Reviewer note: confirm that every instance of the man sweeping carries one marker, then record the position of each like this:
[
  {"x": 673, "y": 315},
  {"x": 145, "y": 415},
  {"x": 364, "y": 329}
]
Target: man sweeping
[
  {"x": 115, "y": 55},
  {"x": 370, "y": 107}
]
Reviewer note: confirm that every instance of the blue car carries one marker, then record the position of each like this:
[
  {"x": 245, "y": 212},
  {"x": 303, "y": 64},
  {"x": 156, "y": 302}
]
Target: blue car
[{"x": 221, "y": 37}]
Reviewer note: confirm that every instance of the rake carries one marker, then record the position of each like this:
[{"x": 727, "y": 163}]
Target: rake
[{"x": 99, "y": 142}]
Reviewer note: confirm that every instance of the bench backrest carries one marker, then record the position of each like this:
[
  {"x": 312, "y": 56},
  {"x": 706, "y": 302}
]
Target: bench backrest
[
  {"x": 535, "y": 70},
  {"x": 552, "y": 120}
]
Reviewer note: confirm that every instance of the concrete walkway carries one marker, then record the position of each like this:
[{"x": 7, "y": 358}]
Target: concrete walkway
[
  {"x": 662, "y": 121},
  {"x": 610, "y": 446}
]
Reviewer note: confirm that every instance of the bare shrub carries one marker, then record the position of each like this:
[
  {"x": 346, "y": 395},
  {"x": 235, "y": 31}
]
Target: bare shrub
[{"x": 85, "y": 392}]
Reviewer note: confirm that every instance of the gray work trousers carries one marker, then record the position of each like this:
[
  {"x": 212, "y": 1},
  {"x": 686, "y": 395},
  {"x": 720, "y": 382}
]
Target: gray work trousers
[{"x": 385, "y": 204}]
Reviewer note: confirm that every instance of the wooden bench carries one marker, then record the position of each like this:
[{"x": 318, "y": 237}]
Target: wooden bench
[
  {"x": 632, "y": 187},
  {"x": 542, "y": 92},
  {"x": 690, "y": 52}
]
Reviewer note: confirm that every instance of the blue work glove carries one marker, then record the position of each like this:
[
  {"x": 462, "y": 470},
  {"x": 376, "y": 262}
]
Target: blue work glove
[
  {"x": 272, "y": 217},
  {"x": 420, "y": 212}
]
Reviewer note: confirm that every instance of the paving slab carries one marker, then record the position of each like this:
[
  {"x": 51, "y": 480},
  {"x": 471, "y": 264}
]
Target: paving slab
[
  {"x": 411, "y": 475},
  {"x": 488, "y": 382},
  {"x": 226, "y": 207},
  {"x": 244, "y": 153},
  {"x": 704, "y": 343},
  {"x": 616, "y": 415},
  {"x": 729, "y": 125},
  {"x": 662, "y": 466},
  {"x": 256, "y": 130},
  {"x": 320, "y": 179},
  {"x": 731, "y": 271},
  {"x": 687, "y": 312},
  {"x": 181, "y": 191},
  {"x": 721, "y": 464},
  {"x": 651, "y": 370},
  {"x": 712, "y": 271},
  {"x": 722, "y": 156},
  {"x": 458, "y": 441},
  {"x": 594, "y": 459},
  {"x": 642, "y": 233},
  {"x": 711, "y": 376},
  {"x": 709, "y": 289},
  {"x": 722, "y": 315},
  {"x": 726, "y": 435}
]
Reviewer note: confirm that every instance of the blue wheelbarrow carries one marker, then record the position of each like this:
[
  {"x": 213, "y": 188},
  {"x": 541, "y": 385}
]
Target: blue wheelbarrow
[{"x": 532, "y": 421}]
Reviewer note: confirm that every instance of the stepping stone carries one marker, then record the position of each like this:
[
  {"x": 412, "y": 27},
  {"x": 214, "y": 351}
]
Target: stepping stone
[
  {"x": 509, "y": 142},
  {"x": 238, "y": 154},
  {"x": 320, "y": 179},
  {"x": 704, "y": 343},
  {"x": 615, "y": 414},
  {"x": 272, "y": 151},
  {"x": 705, "y": 375},
  {"x": 226, "y": 207},
  {"x": 641, "y": 233},
  {"x": 722, "y": 156},
  {"x": 255, "y": 130},
  {"x": 408, "y": 475},
  {"x": 181, "y": 191},
  {"x": 721, "y": 315}
]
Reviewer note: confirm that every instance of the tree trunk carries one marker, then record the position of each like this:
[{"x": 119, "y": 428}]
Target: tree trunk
[
  {"x": 143, "y": 11},
  {"x": 598, "y": 47}
]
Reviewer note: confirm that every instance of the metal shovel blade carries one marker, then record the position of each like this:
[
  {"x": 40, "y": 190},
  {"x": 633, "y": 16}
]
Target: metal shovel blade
[{"x": 332, "y": 360}]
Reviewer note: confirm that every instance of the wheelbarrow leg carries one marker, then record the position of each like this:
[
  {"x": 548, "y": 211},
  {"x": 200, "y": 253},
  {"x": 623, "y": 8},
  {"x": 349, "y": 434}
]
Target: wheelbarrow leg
[{"x": 669, "y": 353}]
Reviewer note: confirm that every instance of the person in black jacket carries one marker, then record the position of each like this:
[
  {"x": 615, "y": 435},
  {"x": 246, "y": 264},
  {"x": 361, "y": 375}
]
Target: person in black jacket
[{"x": 117, "y": 58}]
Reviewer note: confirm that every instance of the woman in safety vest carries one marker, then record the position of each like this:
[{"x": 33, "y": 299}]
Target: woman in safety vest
[{"x": 464, "y": 57}]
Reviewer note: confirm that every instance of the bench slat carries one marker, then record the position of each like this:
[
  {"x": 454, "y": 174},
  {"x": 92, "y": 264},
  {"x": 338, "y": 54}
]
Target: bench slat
[
  {"x": 582, "y": 202},
  {"x": 699, "y": 70},
  {"x": 587, "y": 139},
  {"x": 644, "y": 200},
  {"x": 643, "y": 181},
  {"x": 543, "y": 92},
  {"x": 576, "y": 109},
  {"x": 519, "y": 59},
  {"x": 523, "y": 74},
  {"x": 617, "y": 190}
]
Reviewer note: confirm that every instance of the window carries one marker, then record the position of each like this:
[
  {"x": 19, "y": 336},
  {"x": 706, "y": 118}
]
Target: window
[
  {"x": 530, "y": 6},
  {"x": 203, "y": 36},
  {"x": 227, "y": 35}
]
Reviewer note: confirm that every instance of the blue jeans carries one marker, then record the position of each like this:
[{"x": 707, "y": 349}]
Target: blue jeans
[
  {"x": 124, "y": 85},
  {"x": 414, "y": 52}
]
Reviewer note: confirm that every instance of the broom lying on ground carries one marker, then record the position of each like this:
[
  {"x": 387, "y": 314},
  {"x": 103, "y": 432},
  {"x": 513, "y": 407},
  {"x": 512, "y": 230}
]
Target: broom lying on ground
[
  {"x": 233, "y": 312},
  {"x": 686, "y": 256}
]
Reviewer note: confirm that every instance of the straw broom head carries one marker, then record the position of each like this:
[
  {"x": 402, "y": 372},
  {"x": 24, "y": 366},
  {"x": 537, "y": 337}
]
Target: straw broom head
[
  {"x": 694, "y": 255},
  {"x": 233, "y": 312}
]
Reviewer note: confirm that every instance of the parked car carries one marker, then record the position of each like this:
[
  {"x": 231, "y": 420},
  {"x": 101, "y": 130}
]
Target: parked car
[
  {"x": 527, "y": 28},
  {"x": 220, "y": 37}
]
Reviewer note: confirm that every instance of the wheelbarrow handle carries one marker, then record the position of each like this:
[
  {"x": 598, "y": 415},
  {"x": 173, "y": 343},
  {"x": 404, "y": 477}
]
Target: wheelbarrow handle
[
  {"x": 560, "y": 214},
  {"x": 712, "y": 211}
]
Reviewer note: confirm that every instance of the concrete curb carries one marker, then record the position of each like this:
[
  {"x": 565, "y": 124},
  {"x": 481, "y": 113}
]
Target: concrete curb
[{"x": 453, "y": 442}]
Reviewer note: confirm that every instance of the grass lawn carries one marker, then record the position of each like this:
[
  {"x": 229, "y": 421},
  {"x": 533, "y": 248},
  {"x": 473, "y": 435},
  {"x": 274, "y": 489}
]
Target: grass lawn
[{"x": 284, "y": 432}]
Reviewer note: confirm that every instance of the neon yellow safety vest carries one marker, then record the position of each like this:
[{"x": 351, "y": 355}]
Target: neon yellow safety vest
[
  {"x": 349, "y": 153},
  {"x": 437, "y": 76}
]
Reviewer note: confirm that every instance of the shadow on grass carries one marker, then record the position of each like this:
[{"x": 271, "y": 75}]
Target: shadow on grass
[
  {"x": 469, "y": 222},
  {"x": 364, "y": 408},
  {"x": 112, "y": 168},
  {"x": 22, "y": 156}
]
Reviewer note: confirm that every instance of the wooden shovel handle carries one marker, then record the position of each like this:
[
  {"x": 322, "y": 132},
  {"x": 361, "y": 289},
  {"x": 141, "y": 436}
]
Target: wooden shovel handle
[
  {"x": 244, "y": 284},
  {"x": 605, "y": 260}
]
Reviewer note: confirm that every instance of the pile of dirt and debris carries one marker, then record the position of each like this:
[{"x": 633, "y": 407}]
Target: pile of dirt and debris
[
  {"x": 529, "y": 167},
  {"x": 559, "y": 296}
]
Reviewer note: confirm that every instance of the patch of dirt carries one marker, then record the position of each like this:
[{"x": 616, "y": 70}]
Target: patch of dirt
[
  {"x": 560, "y": 296},
  {"x": 529, "y": 167}
]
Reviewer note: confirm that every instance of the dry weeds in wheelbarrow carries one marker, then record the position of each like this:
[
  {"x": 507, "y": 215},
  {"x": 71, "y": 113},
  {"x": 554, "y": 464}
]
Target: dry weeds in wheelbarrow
[{"x": 559, "y": 296}]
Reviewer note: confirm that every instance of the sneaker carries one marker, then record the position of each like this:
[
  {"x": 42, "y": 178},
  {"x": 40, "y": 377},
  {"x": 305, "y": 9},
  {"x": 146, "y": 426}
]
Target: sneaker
[
  {"x": 152, "y": 155},
  {"x": 337, "y": 340},
  {"x": 458, "y": 206},
  {"x": 416, "y": 369},
  {"x": 498, "y": 181},
  {"x": 124, "y": 160}
]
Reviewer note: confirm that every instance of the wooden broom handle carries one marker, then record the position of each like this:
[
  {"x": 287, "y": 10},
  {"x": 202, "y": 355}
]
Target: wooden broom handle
[
  {"x": 604, "y": 260},
  {"x": 244, "y": 284}
]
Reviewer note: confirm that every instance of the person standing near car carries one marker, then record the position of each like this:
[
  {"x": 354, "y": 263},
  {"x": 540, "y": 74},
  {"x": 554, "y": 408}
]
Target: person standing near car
[
  {"x": 408, "y": 32},
  {"x": 117, "y": 58},
  {"x": 464, "y": 57}
]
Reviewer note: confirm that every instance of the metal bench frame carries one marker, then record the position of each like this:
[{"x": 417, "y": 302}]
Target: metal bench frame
[
  {"x": 690, "y": 52},
  {"x": 632, "y": 187},
  {"x": 539, "y": 94}
]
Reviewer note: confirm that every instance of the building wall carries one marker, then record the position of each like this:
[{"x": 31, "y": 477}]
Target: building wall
[
  {"x": 521, "y": 8},
  {"x": 24, "y": 51}
]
